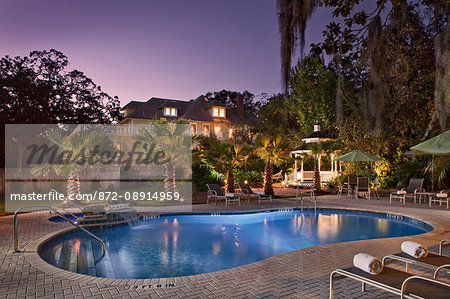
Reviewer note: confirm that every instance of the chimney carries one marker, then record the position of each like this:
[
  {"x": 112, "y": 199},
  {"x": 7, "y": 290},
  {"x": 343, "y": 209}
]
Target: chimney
[{"x": 240, "y": 106}]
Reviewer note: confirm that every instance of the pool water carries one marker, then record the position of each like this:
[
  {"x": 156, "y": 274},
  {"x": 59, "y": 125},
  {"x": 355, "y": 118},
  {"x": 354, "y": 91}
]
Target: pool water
[{"x": 182, "y": 245}]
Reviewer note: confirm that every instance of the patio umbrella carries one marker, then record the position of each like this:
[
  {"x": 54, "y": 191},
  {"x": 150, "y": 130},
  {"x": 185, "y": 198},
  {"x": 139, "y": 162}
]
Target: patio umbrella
[
  {"x": 438, "y": 145},
  {"x": 358, "y": 156}
]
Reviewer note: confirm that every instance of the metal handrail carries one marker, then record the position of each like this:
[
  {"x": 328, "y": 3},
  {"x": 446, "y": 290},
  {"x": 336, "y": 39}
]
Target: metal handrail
[
  {"x": 298, "y": 194},
  {"x": 69, "y": 201},
  {"x": 441, "y": 244},
  {"x": 16, "y": 240},
  {"x": 70, "y": 213},
  {"x": 77, "y": 206}
]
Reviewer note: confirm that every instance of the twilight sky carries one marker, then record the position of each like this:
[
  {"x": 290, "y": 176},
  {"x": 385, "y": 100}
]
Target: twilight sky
[{"x": 164, "y": 48}]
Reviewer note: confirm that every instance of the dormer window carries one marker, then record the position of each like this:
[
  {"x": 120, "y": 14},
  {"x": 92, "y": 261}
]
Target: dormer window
[
  {"x": 218, "y": 112},
  {"x": 168, "y": 111}
]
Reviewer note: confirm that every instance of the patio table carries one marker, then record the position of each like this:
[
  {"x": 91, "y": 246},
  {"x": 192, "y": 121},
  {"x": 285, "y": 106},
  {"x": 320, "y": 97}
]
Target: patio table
[
  {"x": 351, "y": 189},
  {"x": 423, "y": 195}
]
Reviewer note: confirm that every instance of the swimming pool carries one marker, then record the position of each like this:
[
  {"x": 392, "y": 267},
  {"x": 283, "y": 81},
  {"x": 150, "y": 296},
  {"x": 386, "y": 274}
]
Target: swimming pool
[{"x": 180, "y": 245}]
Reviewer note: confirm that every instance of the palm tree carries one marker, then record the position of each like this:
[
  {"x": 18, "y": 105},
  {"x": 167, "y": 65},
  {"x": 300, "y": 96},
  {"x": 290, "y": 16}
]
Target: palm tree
[
  {"x": 229, "y": 157},
  {"x": 87, "y": 145},
  {"x": 320, "y": 149},
  {"x": 174, "y": 139},
  {"x": 274, "y": 151},
  {"x": 224, "y": 157}
]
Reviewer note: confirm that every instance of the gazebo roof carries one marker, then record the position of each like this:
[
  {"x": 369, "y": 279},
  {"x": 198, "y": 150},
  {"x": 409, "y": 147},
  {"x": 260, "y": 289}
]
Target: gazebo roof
[
  {"x": 317, "y": 135},
  {"x": 303, "y": 147}
]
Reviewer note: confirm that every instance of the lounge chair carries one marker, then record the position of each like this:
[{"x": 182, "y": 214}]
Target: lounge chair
[
  {"x": 216, "y": 193},
  {"x": 441, "y": 197},
  {"x": 434, "y": 261},
  {"x": 442, "y": 244},
  {"x": 394, "y": 281},
  {"x": 245, "y": 193},
  {"x": 341, "y": 188},
  {"x": 351, "y": 185},
  {"x": 415, "y": 185},
  {"x": 247, "y": 190},
  {"x": 362, "y": 187}
]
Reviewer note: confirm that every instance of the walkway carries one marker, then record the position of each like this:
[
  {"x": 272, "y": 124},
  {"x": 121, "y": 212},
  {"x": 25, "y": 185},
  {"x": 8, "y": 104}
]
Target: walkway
[{"x": 298, "y": 274}]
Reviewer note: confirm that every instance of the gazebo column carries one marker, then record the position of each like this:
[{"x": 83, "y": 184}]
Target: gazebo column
[
  {"x": 302, "y": 169},
  {"x": 295, "y": 169}
]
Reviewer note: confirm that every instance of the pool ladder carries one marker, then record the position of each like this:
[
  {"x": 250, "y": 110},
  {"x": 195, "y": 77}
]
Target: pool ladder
[
  {"x": 299, "y": 194},
  {"x": 16, "y": 238}
]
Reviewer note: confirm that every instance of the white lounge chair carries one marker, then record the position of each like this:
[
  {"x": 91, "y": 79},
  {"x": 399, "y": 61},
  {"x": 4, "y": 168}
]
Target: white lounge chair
[
  {"x": 415, "y": 186},
  {"x": 216, "y": 193}
]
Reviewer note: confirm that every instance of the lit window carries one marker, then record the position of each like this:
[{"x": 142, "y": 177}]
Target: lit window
[
  {"x": 194, "y": 129},
  {"x": 217, "y": 130},
  {"x": 221, "y": 112},
  {"x": 170, "y": 111},
  {"x": 205, "y": 129},
  {"x": 216, "y": 112},
  {"x": 118, "y": 149}
]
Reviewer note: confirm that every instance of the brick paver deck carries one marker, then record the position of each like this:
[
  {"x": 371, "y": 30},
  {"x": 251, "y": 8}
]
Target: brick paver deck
[{"x": 301, "y": 273}]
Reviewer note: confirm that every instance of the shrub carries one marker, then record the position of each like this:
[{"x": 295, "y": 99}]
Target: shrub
[
  {"x": 203, "y": 174},
  {"x": 331, "y": 183},
  {"x": 253, "y": 178}
]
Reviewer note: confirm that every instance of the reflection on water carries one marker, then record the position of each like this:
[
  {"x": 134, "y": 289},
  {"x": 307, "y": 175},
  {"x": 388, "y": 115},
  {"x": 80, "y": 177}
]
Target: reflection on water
[
  {"x": 192, "y": 244},
  {"x": 327, "y": 226}
]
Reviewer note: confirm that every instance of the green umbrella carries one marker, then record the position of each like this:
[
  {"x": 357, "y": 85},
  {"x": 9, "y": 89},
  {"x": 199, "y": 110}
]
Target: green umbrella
[
  {"x": 438, "y": 145},
  {"x": 358, "y": 156}
]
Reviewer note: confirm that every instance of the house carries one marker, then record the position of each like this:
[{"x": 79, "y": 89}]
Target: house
[{"x": 205, "y": 116}]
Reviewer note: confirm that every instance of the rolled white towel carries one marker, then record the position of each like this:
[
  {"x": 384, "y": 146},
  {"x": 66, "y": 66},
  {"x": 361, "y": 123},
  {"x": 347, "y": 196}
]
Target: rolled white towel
[
  {"x": 259, "y": 192},
  {"x": 368, "y": 263},
  {"x": 414, "y": 249},
  {"x": 401, "y": 192},
  {"x": 442, "y": 195},
  {"x": 229, "y": 194}
]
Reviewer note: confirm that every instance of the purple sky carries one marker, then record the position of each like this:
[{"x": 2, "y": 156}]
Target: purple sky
[{"x": 163, "y": 48}]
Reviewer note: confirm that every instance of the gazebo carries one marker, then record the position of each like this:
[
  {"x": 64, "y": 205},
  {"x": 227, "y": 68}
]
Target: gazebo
[{"x": 303, "y": 175}]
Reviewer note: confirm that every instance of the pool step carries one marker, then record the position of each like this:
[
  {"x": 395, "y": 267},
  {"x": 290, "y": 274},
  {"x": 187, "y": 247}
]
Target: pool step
[
  {"x": 80, "y": 257},
  {"x": 64, "y": 256}
]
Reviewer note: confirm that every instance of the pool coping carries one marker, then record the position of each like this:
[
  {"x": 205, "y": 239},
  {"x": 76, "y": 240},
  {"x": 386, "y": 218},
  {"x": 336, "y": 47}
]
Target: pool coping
[{"x": 31, "y": 250}]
